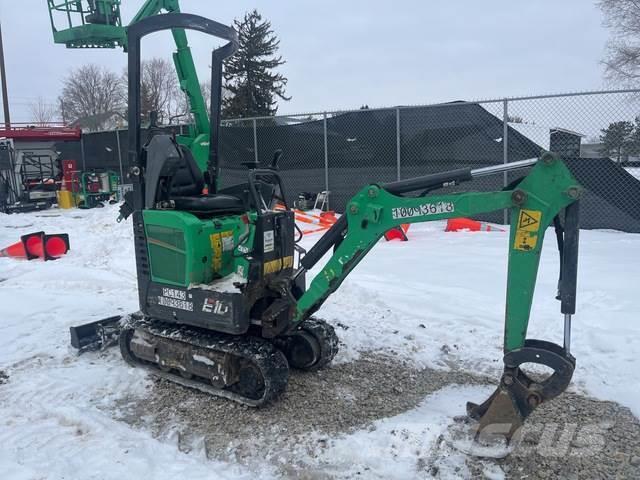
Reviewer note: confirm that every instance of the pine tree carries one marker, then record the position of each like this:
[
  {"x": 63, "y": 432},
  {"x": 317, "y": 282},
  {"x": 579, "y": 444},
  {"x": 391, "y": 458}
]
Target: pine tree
[
  {"x": 252, "y": 85},
  {"x": 617, "y": 139}
]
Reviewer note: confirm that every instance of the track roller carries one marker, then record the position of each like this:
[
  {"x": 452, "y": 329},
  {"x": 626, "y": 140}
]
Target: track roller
[{"x": 310, "y": 347}]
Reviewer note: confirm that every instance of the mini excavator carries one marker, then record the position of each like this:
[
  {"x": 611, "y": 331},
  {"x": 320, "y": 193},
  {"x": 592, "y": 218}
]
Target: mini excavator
[{"x": 224, "y": 302}]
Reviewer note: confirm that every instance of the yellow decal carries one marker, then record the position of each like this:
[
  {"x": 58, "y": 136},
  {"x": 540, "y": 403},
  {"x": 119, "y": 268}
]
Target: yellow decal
[
  {"x": 278, "y": 264},
  {"x": 216, "y": 246},
  {"x": 529, "y": 220},
  {"x": 220, "y": 242},
  {"x": 526, "y": 236}
]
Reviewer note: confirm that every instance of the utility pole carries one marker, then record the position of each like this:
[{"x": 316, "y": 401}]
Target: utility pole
[{"x": 3, "y": 78}]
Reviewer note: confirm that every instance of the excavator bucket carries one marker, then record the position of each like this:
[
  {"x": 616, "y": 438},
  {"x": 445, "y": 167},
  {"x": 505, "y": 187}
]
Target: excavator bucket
[{"x": 518, "y": 395}]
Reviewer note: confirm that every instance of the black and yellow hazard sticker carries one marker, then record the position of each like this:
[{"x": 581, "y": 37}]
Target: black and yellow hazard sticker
[
  {"x": 278, "y": 264},
  {"x": 526, "y": 237},
  {"x": 220, "y": 242}
]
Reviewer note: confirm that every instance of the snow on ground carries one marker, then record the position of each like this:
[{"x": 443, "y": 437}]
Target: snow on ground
[
  {"x": 413, "y": 298},
  {"x": 388, "y": 449},
  {"x": 634, "y": 171}
]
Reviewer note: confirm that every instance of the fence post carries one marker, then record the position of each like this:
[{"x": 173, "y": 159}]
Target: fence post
[
  {"x": 255, "y": 140},
  {"x": 84, "y": 165},
  {"x": 326, "y": 157},
  {"x": 505, "y": 151},
  {"x": 398, "y": 143},
  {"x": 119, "y": 156}
]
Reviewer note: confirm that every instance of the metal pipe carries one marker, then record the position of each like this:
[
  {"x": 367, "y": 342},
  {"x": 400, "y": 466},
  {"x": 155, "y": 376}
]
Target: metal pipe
[
  {"x": 3, "y": 79},
  {"x": 505, "y": 151},
  {"x": 255, "y": 141},
  {"x": 398, "y": 144},
  {"x": 505, "y": 167},
  {"x": 326, "y": 157},
  {"x": 567, "y": 333},
  {"x": 120, "y": 157}
]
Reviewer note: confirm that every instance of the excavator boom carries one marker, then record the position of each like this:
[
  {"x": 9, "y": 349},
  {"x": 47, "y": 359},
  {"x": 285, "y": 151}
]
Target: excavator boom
[{"x": 537, "y": 201}]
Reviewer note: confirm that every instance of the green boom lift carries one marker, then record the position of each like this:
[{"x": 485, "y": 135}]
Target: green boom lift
[
  {"x": 224, "y": 305},
  {"x": 98, "y": 24}
]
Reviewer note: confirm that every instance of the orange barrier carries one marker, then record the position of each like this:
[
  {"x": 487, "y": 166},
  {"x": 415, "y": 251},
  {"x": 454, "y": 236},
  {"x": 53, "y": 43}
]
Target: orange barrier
[
  {"x": 397, "y": 233},
  {"x": 323, "y": 221},
  {"x": 457, "y": 224},
  {"x": 38, "y": 245}
]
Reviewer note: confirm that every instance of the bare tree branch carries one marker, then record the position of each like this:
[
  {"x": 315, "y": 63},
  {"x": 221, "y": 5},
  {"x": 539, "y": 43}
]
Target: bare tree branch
[
  {"x": 89, "y": 93},
  {"x": 622, "y": 61},
  {"x": 42, "y": 112}
]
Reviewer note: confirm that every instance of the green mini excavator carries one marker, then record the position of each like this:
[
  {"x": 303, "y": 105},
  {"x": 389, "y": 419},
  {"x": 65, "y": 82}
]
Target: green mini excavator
[{"x": 224, "y": 303}]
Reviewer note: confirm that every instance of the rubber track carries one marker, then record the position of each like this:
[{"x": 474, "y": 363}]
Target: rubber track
[
  {"x": 327, "y": 338},
  {"x": 271, "y": 362}
]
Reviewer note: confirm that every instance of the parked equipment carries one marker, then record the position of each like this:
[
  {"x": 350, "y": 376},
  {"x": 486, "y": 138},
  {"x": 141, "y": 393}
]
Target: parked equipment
[
  {"x": 305, "y": 201},
  {"x": 224, "y": 305},
  {"x": 96, "y": 188}
]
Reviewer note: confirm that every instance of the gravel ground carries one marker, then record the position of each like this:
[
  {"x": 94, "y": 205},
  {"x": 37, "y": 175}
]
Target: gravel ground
[{"x": 572, "y": 437}]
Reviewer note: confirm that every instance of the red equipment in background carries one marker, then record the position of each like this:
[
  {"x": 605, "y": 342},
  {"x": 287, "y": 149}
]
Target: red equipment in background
[
  {"x": 69, "y": 176},
  {"x": 40, "y": 131}
]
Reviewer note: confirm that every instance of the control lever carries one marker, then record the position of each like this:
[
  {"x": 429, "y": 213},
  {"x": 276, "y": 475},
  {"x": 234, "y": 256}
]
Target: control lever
[{"x": 276, "y": 158}]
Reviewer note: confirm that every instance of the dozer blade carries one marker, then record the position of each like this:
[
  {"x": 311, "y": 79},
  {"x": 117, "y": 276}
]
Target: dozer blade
[
  {"x": 504, "y": 412},
  {"x": 96, "y": 335}
]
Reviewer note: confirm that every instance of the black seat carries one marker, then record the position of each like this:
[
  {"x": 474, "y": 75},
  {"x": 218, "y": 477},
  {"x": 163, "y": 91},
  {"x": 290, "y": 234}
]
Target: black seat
[
  {"x": 216, "y": 203},
  {"x": 174, "y": 175}
]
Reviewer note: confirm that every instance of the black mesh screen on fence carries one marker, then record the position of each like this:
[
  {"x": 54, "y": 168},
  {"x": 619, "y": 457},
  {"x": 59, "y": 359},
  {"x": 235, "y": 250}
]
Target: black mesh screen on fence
[{"x": 344, "y": 151}]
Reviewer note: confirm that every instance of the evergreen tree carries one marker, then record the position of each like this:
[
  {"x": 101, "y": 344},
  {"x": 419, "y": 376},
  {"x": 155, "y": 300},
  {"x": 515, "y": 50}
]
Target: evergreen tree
[
  {"x": 253, "y": 87},
  {"x": 617, "y": 139}
]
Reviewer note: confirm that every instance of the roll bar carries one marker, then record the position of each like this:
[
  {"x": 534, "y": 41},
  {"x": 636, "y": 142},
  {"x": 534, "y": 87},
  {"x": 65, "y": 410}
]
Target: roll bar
[{"x": 170, "y": 21}]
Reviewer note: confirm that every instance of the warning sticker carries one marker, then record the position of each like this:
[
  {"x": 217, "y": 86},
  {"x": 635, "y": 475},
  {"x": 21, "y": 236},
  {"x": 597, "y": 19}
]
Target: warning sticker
[
  {"x": 529, "y": 220},
  {"x": 525, "y": 240},
  {"x": 526, "y": 237}
]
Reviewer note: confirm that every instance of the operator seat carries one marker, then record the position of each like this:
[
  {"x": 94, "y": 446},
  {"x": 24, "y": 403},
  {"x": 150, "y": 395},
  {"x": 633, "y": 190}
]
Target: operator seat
[{"x": 173, "y": 177}]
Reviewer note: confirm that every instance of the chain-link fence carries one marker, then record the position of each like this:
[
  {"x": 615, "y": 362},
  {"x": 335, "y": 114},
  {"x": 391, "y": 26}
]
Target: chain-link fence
[{"x": 595, "y": 132}]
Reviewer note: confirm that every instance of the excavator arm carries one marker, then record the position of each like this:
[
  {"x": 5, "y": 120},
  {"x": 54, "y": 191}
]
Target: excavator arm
[{"x": 538, "y": 201}]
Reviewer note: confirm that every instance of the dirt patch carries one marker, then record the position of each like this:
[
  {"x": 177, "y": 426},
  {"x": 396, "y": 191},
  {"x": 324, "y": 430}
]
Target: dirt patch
[
  {"x": 316, "y": 405},
  {"x": 572, "y": 437},
  {"x": 4, "y": 377}
]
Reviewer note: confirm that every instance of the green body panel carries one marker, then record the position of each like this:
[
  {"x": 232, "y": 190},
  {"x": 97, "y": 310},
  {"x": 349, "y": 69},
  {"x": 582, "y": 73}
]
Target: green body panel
[
  {"x": 185, "y": 250},
  {"x": 91, "y": 36},
  {"x": 548, "y": 188}
]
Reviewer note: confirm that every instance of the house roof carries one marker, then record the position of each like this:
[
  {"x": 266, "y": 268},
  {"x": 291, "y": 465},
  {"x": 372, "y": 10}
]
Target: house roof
[{"x": 565, "y": 130}]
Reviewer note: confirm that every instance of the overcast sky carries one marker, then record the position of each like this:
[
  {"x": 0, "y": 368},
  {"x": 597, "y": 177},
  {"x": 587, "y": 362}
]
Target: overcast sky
[{"x": 343, "y": 54}]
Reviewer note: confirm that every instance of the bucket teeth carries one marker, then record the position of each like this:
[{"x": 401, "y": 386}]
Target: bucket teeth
[
  {"x": 499, "y": 415},
  {"x": 504, "y": 412}
]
